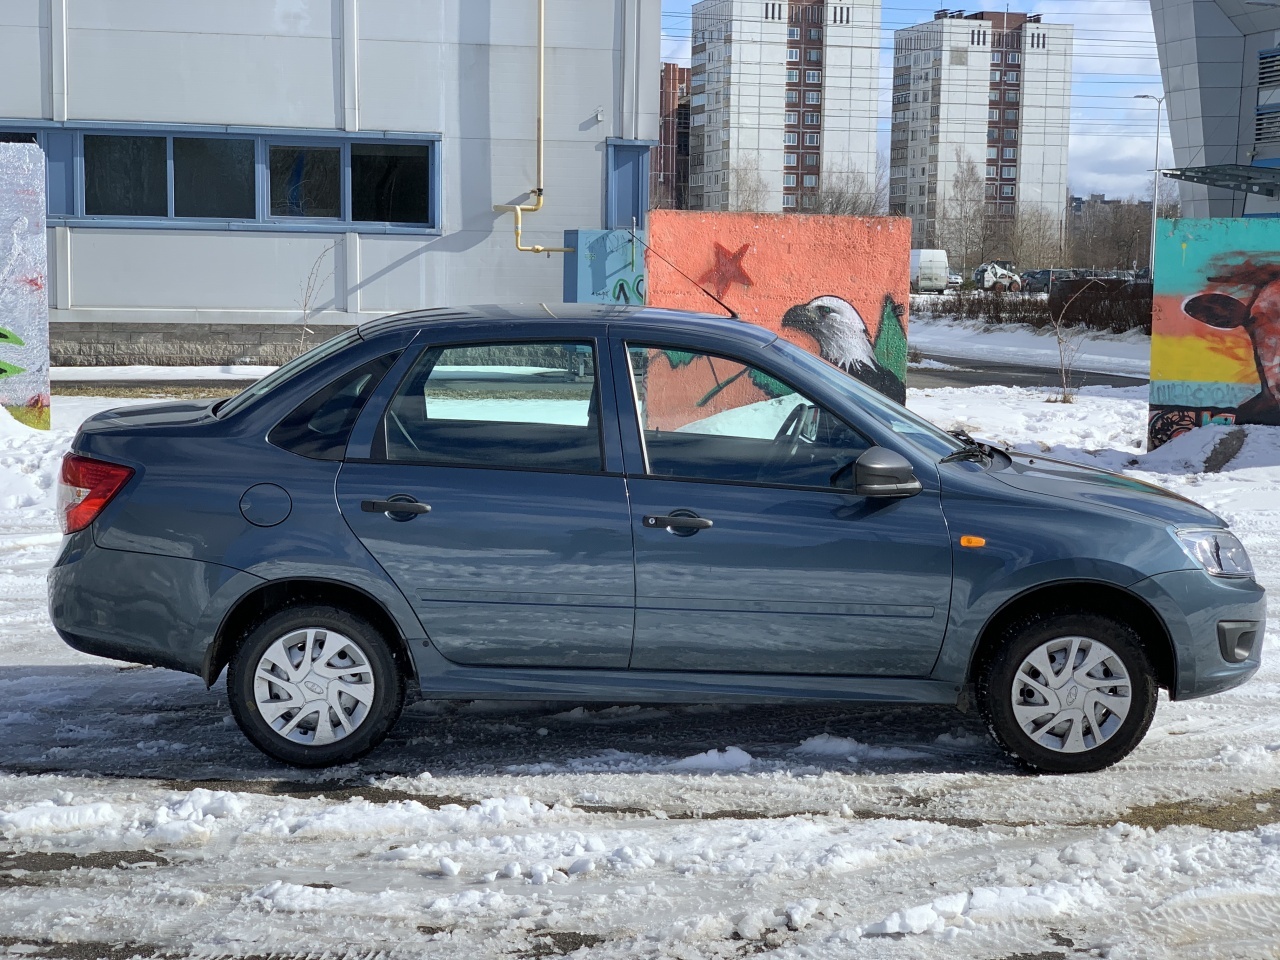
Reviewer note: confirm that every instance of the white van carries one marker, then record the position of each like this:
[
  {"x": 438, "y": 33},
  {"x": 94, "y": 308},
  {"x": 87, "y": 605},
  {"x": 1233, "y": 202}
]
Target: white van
[{"x": 929, "y": 271}]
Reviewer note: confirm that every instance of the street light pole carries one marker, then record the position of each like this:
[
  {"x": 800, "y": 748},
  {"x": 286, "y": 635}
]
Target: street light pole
[{"x": 1155, "y": 183}]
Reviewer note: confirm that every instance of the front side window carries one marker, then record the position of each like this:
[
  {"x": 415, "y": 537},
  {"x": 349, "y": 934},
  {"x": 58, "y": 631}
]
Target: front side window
[
  {"x": 708, "y": 417},
  {"x": 522, "y": 406}
]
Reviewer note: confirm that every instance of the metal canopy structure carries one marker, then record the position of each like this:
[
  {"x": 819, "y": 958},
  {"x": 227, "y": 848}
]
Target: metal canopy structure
[{"x": 1264, "y": 181}]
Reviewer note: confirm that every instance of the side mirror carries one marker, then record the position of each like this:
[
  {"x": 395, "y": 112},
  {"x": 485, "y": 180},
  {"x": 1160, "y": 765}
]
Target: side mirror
[{"x": 879, "y": 473}]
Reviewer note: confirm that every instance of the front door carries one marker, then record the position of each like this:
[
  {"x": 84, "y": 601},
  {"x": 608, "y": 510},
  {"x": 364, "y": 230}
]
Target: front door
[
  {"x": 748, "y": 559},
  {"x": 486, "y": 501}
]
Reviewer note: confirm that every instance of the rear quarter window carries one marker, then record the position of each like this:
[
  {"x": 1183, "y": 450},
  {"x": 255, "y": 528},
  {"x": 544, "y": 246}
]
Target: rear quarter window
[{"x": 319, "y": 427}]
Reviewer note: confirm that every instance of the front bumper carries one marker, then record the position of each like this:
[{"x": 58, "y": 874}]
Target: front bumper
[
  {"x": 140, "y": 607},
  {"x": 1193, "y": 605}
]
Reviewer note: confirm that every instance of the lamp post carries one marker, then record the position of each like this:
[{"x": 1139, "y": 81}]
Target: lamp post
[{"x": 1155, "y": 183}]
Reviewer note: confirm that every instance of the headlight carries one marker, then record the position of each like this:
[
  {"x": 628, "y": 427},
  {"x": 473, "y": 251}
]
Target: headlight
[{"x": 1218, "y": 551}]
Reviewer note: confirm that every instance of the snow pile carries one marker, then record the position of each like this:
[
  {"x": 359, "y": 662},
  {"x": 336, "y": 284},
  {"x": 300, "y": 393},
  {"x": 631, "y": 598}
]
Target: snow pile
[
  {"x": 715, "y": 761},
  {"x": 49, "y": 817},
  {"x": 825, "y": 745}
]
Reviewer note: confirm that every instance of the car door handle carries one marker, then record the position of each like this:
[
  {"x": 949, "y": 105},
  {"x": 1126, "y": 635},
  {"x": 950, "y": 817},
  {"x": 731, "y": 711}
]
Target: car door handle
[
  {"x": 401, "y": 505},
  {"x": 691, "y": 524}
]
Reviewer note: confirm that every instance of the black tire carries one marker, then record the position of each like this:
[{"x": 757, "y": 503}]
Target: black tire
[
  {"x": 1015, "y": 287},
  {"x": 375, "y": 721},
  {"x": 996, "y": 692}
]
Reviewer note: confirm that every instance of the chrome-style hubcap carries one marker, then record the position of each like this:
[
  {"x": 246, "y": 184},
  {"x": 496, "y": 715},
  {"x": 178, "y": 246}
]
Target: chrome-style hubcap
[
  {"x": 314, "y": 686},
  {"x": 1071, "y": 694}
]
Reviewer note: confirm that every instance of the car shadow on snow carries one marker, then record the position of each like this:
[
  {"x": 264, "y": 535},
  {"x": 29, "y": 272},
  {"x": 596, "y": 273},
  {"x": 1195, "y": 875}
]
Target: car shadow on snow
[{"x": 106, "y": 720}]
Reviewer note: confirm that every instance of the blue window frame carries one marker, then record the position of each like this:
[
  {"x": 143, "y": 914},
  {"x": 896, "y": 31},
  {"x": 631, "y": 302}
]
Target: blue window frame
[{"x": 238, "y": 178}]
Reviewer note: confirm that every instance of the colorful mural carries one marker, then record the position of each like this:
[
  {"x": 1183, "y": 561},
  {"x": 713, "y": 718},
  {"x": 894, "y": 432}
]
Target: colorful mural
[
  {"x": 607, "y": 266},
  {"x": 24, "y": 298},
  {"x": 1215, "y": 344},
  {"x": 837, "y": 286}
]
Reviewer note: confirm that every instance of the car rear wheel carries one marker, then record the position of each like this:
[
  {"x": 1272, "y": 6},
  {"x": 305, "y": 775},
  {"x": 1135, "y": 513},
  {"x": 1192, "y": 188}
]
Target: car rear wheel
[
  {"x": 1069, "y": 692},
  {"x": 315, "y": 686}
]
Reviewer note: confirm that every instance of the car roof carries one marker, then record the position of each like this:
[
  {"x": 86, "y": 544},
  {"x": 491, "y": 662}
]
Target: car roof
[{"x": 656, "y": 318}]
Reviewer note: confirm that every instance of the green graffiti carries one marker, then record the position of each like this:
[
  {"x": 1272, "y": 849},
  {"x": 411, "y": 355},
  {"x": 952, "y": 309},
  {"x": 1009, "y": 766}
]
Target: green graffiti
[
  {"x": 891, "y": 340},
  {"x": 678, "y": 358},
  {"x": 9, "y": 370},
  {"x": 9, "y": 338},
  {"x": 770, "y": 387},
  {"x": 629, "y": 291}
]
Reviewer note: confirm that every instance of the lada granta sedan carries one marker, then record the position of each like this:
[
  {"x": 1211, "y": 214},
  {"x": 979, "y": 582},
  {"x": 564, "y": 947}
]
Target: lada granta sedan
[{"x": 627, "y": 504}]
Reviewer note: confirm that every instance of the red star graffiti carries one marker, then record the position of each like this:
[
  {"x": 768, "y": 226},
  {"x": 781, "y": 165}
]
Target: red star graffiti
[{"x": 728, "y": 270}]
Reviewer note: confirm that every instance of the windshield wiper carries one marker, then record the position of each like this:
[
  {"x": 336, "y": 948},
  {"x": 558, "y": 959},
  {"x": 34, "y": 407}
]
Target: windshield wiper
[{"x": 973, "y": 449}]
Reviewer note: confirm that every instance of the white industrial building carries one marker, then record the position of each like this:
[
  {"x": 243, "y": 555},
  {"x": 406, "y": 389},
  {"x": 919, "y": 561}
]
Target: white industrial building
[
  {"x": 993, "y": 88},
  {"x": 781, "y": 94},
  {"x": 206, "y": 160},
  {"x": 1220, "y": 61}
]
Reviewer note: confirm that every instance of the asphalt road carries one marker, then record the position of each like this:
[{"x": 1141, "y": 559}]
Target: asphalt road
[{"x": 981, "y": 373}]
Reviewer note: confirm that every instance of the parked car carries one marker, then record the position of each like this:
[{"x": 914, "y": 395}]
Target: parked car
[
  {"x": 955, "y": 281},
  {"x": 593, "y": 503},
  {"x": 1039, "y": 281}
]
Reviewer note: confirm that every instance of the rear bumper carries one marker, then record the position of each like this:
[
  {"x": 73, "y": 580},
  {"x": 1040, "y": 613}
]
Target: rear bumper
[
  {"x": 140, "y": 607},
  {"x": 1193, "y": 605}
]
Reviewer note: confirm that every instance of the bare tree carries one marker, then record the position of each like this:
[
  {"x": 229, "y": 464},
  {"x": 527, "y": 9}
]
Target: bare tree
[
  {"x": 748, "y": 192},
  {"x": 962, "y": 221},
  {"x": 1169, "y": 197},
  {"x": 848, "y": 191},
  {"x": 309, "y": 290},
  {"x": 1036, "y": 241}
]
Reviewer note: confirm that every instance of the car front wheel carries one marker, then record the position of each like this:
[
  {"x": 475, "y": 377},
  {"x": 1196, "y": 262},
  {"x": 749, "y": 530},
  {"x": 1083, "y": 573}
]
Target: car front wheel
[
  {"x": 315, "y": 686},
  {"x": 1069, "y": 692}
]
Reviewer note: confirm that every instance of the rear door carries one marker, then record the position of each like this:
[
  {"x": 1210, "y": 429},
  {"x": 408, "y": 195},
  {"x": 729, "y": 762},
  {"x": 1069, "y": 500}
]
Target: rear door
[
  {"x": 748, "y": 558},
  {"x": 487, "y": 497}
]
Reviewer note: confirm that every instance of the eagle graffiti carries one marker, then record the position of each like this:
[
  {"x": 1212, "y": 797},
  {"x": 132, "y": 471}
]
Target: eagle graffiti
[{"x": 833, "y": 329}]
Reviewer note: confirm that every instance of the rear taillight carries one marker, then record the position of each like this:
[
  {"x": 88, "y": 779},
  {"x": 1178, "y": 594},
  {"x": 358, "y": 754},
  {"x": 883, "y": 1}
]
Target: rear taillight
[{"x": 85, "y": 487}]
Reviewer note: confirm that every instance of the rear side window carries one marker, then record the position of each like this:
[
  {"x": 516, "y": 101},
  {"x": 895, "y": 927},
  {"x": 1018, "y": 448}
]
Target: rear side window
[
  {"x": 522, "y": 406},
  {"x": 320, "y": 426}
]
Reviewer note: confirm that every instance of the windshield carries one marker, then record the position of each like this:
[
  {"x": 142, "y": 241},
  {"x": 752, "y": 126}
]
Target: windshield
[
  {"x": 291, "y": 369},
  {"x": 916, "y": 430}
]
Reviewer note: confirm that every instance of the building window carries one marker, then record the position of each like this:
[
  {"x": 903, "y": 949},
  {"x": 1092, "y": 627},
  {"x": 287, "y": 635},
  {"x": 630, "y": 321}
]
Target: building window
[
  {"x": 386, "y": 182},
  {"x": 992, "y": 153},
  {"x": 126, "y": 176},
  {"x": 810, "y": 159},
  {"x": 812, "y": 118},
  {"x": 1011, "y": 134},
  {"x": 792, "y": 117},
  {"x": 793, "y": 33},
  {"x": 1011, "y": 116},
  {"x": 812, "y": 96},
  {"x": 793, "y": 55},
  {"x": 788, "y": 179},
  {"x": 993, "y": 115},
  {"x": 793, "y": 96},
  {"x": 993, "y": 134},
  {"x": 996, "y": 56},
  {"x": 811, "y": 140},
  {"x": 810, "y": 179},
  {"x": 991, "y": 170},
  {"x": 793, "y": 76},
  {"x": 993, "y": 95},
  {"x": 1008, "y": 173},
  {"x": 1013, "y": 58},
  {"x": 306, "y": 180},
  {"x": 790, "y": 139},
  {"x": 1011, "y": 76},
  {"x": 995, "y": 76},
  {"x": 1007, "y": 190},
  {"x": 1010, "y": 153},
  {"x": 1011, "y": 96},
  {"x": 815, "y": 33},
  {"x": 808, "y": 200},
  {"x": 214, "y": 178},
  {"x": 788, "y": 200},
  {"x": 813, "y": 76},
  {"x": 813, "y": 56},
  {"x": 788, "y": 159}
]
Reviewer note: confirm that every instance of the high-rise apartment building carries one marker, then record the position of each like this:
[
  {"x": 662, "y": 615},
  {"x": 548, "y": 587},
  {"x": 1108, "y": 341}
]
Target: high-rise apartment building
[
  {"x": 991, "y": 88},
  {"x": 781, "y": 94},
  {"x": 669, "y": 163}
]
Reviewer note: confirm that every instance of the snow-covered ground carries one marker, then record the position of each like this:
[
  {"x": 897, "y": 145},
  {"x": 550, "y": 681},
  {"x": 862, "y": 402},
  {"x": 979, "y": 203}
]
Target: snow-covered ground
[
  {"x": 1127, "y": 354},
  {"x": 135, "y": 819}
]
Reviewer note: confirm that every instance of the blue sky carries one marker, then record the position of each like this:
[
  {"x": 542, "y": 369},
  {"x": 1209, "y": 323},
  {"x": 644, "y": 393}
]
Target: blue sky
[{"x": 1112, "y": 134}]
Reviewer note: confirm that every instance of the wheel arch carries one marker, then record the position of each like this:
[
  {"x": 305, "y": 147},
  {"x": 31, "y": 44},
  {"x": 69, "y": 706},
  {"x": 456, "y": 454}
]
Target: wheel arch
[
  {"x": 278, "y": 595},
  {"x": 1092, "y": 596}
]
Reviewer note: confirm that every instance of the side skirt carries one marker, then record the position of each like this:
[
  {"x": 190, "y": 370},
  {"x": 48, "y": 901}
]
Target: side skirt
[{"x": 442, "y": 679}]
